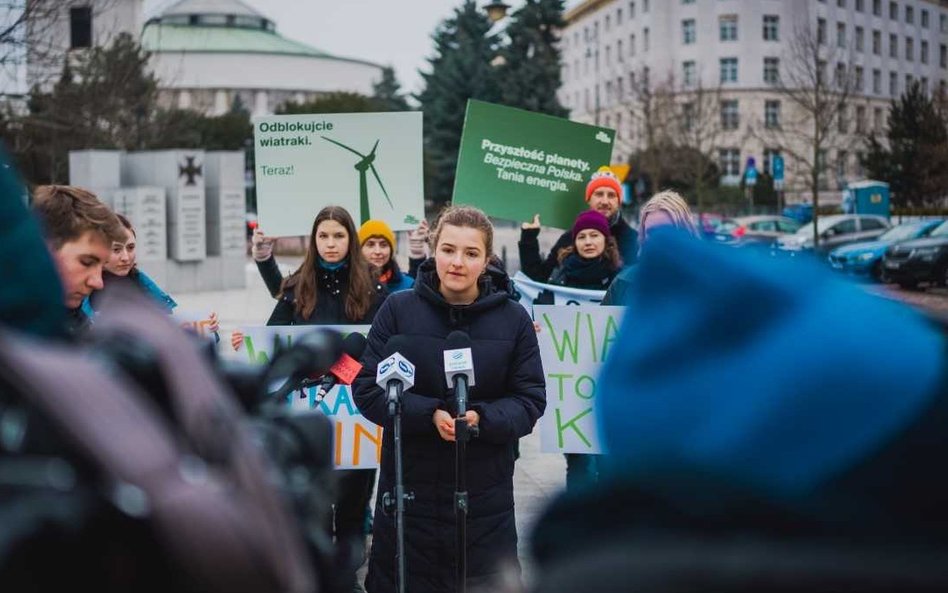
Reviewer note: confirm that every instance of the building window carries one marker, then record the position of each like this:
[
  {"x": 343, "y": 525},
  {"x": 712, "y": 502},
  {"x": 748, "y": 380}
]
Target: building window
[
  {"x": 925, "y": 84},
  {"x": 769, "y": 154},
  {"x": 893, "y": 84},
  {"x": 687, "y": 1},
  {"x": 840, "y": 75},
  {"x": 924, "y": 19},
  {"x": 877, "y": 121},
  {"x": 860, "y": 119},
  {"x": 859, "y": 83},
  {"x": 608, "y": 55},
  {"x": 842, "y": 124},
  {"x": 620, "y": 88},
  {"x": 893, "y": 11},
  {"x": 729, "y": 161},
  {"x": 841, "y": 161},
  {"x": 728, "y": 70},
  {"x": 840, "y": 35},
  {"x": 943, "y": 55},
  {"x": 645, "y": 42},
  {"x": 688, "y": 73},
  {"x": 893, "y": 45},
  {"x": 80, "y": 27},
  {"x": 909, "y": 49},
  {"x": 860, "y": 6},
  {"x": 877, "y": 7},
  {"x": 841, "y": 3},
  {"x": 909, "y": 79},
  {"x": 877, "y": 43},
  {"x": 631, "y": 10},
  {"x": 728, "y": 27},
  {"x": 771, "y": 27},
  {"x": 860, "y": 45},
  {"x": 644, "y": 5},
  {"x": 618, "y": 16},
  {"x": 923, "y": 52},
  {"x": 619, "y": 55},
  {"x": 772, "y": 114},
  {"x": 877, "y": 81},
  {"x": 608, "y": 22},
  {"x": 632, "y": 44},
  {"x": 910, "y": 15},
  {"x": 688, "y": 31},
  {"x": 688, "y": 116},
  {"x": 730, "y": 117},
  {"x": 771, "y": 70},
  {"x": 821, "y": 31}
]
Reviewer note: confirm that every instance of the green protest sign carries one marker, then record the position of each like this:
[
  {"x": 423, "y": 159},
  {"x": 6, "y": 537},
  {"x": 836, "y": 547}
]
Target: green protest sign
[
  {"x": 368, "y": 163},
  {"x": 574, "y": 343},
  {"x": 514, "y": 163}
]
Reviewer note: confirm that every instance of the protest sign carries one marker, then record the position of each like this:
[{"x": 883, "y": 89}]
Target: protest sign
[
  {"x": 574, "y": 343},
  {"x": 530, "y": 290},
  {"x": 368, "y": 163},
  {"x": 194, "y": 322},
  {"x": 358, "y": 442},
  {"x": 514, "y": 164}
]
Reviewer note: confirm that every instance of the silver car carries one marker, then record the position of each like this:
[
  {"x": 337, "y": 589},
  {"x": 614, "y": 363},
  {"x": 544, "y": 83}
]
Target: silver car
[{"x": 835, "y": 231}]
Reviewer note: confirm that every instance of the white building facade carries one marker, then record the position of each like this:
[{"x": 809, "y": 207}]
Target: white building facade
[
  {"x": 737, "y": 49},
  {"x": 206, "y": 54}
]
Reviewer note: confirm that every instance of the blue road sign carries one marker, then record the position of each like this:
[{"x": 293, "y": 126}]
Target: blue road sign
[
  {"x": 750, "y": 171},
  {"x": 778, "y": 167}
]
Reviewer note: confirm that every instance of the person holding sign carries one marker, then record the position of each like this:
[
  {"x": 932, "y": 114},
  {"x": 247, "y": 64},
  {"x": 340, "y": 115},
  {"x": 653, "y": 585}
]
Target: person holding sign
[
  {"x": 457, "y": 289},
  {"x": 122, "y": 267},
  {"x": 666, "y": 208},
  {"x": 603, "y": 194},
  {"x": 590, "y": 263},
  {"x": 378, "y": 246}
]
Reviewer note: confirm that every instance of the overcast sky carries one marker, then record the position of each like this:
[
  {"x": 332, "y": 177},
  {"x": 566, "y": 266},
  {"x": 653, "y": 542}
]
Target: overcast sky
[{"x": 388, "y": 32}]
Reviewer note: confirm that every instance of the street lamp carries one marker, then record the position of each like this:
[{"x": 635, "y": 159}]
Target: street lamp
[{"x": 496, "y": 10}]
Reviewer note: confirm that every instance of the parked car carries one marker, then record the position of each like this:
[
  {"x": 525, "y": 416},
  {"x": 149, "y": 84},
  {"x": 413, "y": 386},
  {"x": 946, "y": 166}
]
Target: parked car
[
  {"x": 754, "y": 230},
  {"x": 835, "y": 231},
  {"x": 865, "y": 258},
  {"x": 920, "y": 260},
  {"x": 802, "y": 213}
]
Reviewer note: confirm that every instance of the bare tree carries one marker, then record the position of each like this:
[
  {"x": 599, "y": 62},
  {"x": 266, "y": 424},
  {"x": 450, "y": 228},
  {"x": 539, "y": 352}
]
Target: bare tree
[
  {"x": 699, "y": 128},
  {"x": 815, "y": 118}
]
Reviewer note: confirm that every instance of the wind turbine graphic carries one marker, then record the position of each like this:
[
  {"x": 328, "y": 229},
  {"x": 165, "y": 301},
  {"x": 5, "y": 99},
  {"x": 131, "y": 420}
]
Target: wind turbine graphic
[{"x": 366, "y": 163}]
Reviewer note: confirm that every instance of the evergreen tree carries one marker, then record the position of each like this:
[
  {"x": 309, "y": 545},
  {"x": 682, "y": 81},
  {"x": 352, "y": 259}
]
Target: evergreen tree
[
  {"x": 387, "y": 92},
  {"x": 915, "y": 163},
  {"x": 460, "y": 70},
  {"x": 529, "y": 72}
]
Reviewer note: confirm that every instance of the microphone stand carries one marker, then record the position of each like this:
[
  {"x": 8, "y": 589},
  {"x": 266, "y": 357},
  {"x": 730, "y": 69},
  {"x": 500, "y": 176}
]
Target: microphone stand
[
  {"x": 396, "y": 500},
  {"x": 462, "y": 434}
]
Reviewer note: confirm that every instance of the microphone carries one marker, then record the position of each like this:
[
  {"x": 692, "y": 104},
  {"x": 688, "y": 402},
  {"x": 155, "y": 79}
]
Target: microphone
[
  {"x": 395, "y": 374},
  {"x": 311, "y": 354},
  {"x": 459, "y": 373},
  {"x": 343, "y": 371}
]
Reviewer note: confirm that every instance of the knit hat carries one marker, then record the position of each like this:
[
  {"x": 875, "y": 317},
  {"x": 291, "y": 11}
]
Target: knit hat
[
  {"x": 376, "y": 228},
  {"x": 604, "y": 177},
  {"x": 769, "y": 374},
  {"x": 591, "y": 219}
]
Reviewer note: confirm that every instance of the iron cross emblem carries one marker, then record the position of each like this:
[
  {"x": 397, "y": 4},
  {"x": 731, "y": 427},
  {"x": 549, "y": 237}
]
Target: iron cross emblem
[{"x": 190, "y": 169}]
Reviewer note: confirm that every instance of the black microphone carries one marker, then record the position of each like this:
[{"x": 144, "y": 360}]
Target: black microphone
[
  {"x": 459, "y": 368},
  {"x": 311, "y": 354},
  {"x": 344, "y": 370}
]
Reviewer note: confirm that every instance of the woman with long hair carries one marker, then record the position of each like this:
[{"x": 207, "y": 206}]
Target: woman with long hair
[
  {"x": 456, "y": 289},
  {"x": 664, "y": 209}
]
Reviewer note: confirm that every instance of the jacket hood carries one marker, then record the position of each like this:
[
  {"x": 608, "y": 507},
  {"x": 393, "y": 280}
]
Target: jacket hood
[{"x": 495, "y": 289}]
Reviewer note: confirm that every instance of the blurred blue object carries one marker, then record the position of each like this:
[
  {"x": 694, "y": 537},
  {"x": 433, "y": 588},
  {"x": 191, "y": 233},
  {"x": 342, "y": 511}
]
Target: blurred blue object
[
  {"x": 866, "y": 258},
  {"x": 802, "y": 213},
  {"x": 753, "y": 371}
]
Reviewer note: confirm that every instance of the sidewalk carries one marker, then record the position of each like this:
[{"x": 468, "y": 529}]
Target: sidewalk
[{"x": 538, "y": 476}]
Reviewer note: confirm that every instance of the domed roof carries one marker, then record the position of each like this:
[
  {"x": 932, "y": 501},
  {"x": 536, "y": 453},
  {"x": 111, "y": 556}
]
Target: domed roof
[
  {"x": 213, "y": 13},
  {"x": 210, "y": 7}
]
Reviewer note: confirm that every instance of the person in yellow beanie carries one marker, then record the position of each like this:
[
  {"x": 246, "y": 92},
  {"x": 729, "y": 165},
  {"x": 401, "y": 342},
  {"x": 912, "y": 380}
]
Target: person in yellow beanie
[
  {"x": 378, "y": 246},
  {"x": 604, "y": 195}
]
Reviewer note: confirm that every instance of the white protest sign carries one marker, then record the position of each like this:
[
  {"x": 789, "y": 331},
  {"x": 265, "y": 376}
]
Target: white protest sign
[
  {"x": 368, "y": 163},
  {"x": 530, "y": 289},
  {"x": 574, "y": 343},
  {"x": 357, "y": 441}
]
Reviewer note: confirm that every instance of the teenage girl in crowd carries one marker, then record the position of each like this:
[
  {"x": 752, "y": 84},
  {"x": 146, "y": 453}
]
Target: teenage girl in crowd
[
  {"x": 666, "y": 208},
  {"x": 122, "y": 268},
  {"x": 457, "y": 289},
  {"x": 590, "y": 263},
  {"x": 378, "y": 246},
  {"x": 334, "y": 285}
]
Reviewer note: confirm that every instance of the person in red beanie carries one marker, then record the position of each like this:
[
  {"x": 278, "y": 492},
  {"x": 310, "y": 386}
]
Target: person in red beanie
[{"x": 603, "y": 194}]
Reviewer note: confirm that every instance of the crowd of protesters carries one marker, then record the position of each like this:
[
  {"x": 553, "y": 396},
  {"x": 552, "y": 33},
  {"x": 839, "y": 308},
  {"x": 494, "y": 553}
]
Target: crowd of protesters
[{"x": 810, "y": 485}]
